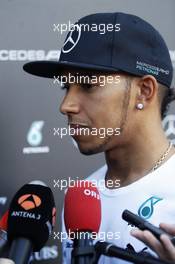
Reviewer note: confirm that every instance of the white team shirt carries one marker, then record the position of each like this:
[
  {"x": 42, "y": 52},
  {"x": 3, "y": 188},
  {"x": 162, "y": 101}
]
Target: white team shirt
[{"x": 151, "y": 197}]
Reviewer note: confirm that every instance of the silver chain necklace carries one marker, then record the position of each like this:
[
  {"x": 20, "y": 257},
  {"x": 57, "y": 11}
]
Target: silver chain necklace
[{"x": 162, "y": 158}]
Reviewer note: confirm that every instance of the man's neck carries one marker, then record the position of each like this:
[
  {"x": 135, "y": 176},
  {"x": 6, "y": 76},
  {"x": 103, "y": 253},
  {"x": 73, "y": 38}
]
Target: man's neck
[{"x": 129, "y": 164}]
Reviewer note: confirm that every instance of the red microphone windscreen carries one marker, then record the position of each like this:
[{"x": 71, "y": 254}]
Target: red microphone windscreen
[
  {"x": 3, "y": 221},
  {"x": 82, "y": 208}
]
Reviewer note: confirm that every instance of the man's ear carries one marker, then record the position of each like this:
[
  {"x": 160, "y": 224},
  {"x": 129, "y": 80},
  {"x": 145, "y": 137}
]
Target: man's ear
[{"x": 147, "y": 88}]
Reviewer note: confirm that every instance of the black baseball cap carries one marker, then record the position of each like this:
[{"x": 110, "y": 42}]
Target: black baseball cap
[{"x": 127, "y": 43}]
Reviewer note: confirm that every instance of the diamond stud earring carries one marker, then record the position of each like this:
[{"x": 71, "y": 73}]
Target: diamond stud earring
[{"x": 140, "y": 106}]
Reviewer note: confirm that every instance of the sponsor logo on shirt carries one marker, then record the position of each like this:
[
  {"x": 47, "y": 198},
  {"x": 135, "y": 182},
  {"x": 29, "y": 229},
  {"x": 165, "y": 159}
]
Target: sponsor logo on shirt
[{"x": 147, "y": 208}]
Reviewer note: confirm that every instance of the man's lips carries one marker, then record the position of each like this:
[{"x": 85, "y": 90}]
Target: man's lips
[
  {"x": 77, "y": 126},
  {"x": 79, "y": 129}
]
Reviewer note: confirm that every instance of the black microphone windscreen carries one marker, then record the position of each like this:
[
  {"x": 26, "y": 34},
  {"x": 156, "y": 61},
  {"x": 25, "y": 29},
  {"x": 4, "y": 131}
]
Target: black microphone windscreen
[{"x": 32, "y": 215}]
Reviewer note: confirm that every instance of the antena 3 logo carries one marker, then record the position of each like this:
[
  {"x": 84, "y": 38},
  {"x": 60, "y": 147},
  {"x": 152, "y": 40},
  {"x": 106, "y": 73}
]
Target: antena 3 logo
[
  {"x": 34, "y": 139},
  {"x": 28, "y": 202}
]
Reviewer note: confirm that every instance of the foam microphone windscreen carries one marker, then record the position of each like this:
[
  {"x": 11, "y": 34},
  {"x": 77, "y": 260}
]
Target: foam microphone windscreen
[
  {"x": 3, "y": 221},
  {"x": 32, "y": 215},
  {"x": 82, "y": 208}
]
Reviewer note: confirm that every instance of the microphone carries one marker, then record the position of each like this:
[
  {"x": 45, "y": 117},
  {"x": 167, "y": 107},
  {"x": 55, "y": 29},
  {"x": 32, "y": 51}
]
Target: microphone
[
  {"x": 111, "y": 250},
  {"x": 143, "y": 224},
  {"x": 82, "y": 216},
  {"x": 30, "y": 221}
]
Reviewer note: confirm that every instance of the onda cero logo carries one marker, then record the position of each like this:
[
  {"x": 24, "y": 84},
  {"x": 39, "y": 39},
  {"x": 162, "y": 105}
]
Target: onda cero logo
[{"x": 29, "y": 201}]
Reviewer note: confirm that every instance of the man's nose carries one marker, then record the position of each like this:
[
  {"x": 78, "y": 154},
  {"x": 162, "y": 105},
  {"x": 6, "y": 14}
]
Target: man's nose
[{"x": 70, "y": 103}]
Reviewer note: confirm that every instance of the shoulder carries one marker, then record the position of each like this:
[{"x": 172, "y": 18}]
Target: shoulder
[{"x": 168, "y": 167}]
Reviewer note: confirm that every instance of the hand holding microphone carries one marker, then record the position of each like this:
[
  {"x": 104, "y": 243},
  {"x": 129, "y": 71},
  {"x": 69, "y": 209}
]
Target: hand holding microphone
[
  {"x": 161, "y": 240},
  {"x": 144, "y": 225}
]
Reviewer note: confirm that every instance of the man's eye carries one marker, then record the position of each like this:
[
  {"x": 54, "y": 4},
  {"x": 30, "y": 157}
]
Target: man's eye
[{"x": 88, "y": 86}]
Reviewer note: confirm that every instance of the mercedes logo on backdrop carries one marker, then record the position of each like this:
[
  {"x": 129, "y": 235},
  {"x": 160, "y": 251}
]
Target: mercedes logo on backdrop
[
  {"x": 35, "y": 138},
  {"x": 169, "y": 126},
  {"x": 72, "y": 39}
]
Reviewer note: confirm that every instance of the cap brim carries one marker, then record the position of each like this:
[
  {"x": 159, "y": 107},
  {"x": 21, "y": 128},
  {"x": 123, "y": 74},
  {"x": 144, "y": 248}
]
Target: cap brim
[{"x": 49, "y": 69}]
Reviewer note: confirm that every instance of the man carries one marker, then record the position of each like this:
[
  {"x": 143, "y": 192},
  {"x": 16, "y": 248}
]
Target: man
[{"x": 138, "y": 154}]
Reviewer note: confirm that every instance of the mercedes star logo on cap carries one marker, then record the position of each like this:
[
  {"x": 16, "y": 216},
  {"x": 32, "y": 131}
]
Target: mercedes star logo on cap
[{"x": 72, "y": 39}]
